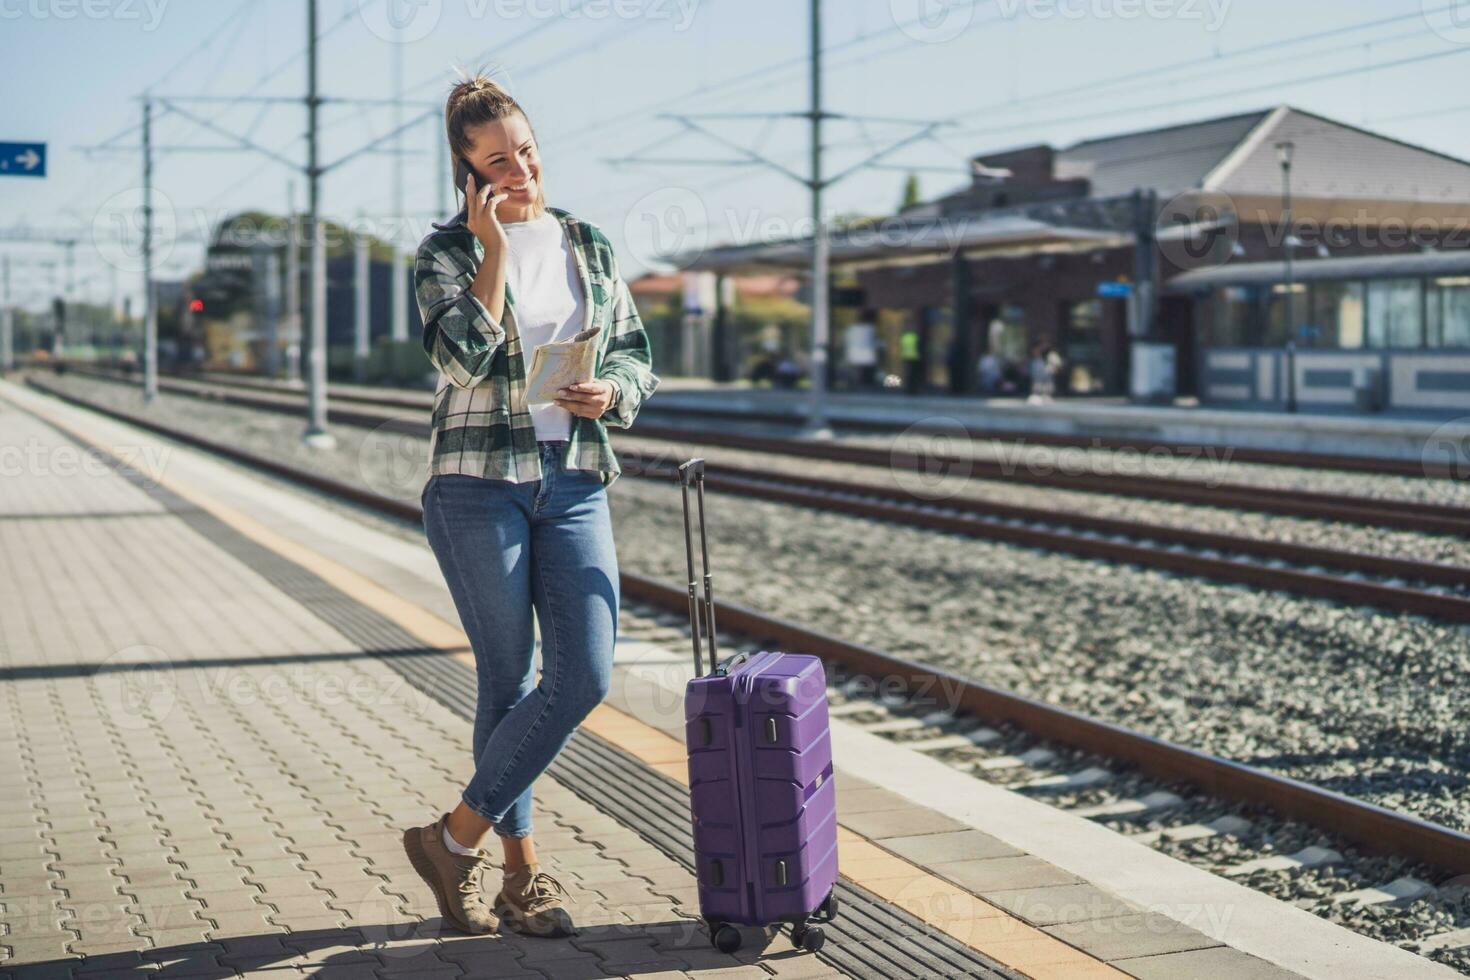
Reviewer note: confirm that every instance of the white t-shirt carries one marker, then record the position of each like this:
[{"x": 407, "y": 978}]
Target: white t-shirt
[{"x": 542, "y": 273}]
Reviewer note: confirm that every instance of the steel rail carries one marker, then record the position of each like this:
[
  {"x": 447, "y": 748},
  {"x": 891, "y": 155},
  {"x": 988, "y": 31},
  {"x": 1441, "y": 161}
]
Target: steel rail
[
  {"x": 986, "y": 519},
  {"x": 1243, "y": 454},
  {"x": 1348, "y": 508}
]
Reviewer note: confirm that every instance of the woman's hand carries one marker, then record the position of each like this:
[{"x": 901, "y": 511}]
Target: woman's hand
[
  {"x": 480, "y": 207},
  {"x": 590, "y": 399}
]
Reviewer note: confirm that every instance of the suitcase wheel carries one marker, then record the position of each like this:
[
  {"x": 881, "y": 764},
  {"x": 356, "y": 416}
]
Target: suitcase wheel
[
  {"x": 725, "y": 938},
  {"x": 809, "y": 938},
  {"x": 827, "y": 911}
]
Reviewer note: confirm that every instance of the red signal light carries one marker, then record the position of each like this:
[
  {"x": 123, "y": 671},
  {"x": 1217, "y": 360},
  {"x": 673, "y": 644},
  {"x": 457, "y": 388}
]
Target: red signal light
[{"x": 196, "y": 306}]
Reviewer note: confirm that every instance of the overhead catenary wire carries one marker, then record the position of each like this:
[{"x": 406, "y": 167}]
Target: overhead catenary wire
[
  {"x": 1118, "y": 80},
  {"x": 209, "y": 39},
  {"x": 764, "y": 73},
  {"x": 759, "y": 74},
  {"x": 1135, "y": 77},
  {"x": 432, "y": 109},
  {"x": 1215, "y": 96},
  {"x": 585, "y": 133},
  {"x": 1255, "y": 49},
  {"x": 1153, "y": 72}
]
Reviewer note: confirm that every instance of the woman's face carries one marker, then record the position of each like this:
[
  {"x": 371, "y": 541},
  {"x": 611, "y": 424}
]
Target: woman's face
[{"x": 504, "y": 152}]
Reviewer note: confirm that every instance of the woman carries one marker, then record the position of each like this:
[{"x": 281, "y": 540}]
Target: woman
[{"x": 515, "y": 507}]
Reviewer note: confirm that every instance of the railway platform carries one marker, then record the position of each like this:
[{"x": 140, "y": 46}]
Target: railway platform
[
  {"x": 1415, "y": 441},
  {"x": 224, "y": 698}
]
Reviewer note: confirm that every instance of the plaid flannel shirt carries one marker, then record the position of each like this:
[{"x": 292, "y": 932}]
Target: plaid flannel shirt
[{"x": 481, "y": 424}]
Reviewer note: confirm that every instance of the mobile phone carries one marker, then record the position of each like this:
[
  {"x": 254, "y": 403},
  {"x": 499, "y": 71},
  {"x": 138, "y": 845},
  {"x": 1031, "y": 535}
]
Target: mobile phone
[{"x": 462, "y": 171}]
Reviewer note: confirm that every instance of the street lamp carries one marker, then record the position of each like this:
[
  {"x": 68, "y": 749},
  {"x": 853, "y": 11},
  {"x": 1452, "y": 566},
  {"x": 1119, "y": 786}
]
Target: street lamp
[{"x": 1285, "y": 151}]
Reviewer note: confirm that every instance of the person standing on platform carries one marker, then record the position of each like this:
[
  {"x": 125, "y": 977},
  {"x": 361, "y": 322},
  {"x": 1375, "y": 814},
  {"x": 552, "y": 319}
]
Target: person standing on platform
[
  {"x": 1054, "y": 367},
  {"x": 908, "y": 349},
  {"x": 1043, "y": 381},
  {"x": 989, "y": 372},
  {"x": 862, "y": 350},
  {"x": 515, "y": 507}
]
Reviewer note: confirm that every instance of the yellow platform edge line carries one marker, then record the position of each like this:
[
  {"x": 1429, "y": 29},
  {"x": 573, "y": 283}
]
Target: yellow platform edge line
[{"x": 933, "y": 900}]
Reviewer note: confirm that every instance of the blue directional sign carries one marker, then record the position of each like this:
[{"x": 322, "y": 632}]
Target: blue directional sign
[
  {"x": 1115, "y": 290},
  {"x": 22, "y": 159}
]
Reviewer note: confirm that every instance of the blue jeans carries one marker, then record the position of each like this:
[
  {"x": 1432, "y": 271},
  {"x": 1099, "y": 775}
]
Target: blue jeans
[{"x": 505, "y": 548}]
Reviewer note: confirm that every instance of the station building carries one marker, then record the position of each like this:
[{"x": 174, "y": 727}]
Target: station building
[{"x": 1177, "y": 237}]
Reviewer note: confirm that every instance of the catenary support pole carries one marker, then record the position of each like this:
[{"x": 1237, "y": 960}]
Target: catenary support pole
[
  {"x": 316, "y": 380},
  {"x": 150, "y": 306}
]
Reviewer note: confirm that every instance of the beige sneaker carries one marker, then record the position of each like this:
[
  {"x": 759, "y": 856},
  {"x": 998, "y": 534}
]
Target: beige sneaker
[
  {"x": 530, "y": 902},
  {"x": 453, "y": 878}
]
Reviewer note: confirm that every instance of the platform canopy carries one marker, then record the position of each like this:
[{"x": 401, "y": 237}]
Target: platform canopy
[
  {"x": 1402, "y": 266},
  {"x": 892, "y": 238}
]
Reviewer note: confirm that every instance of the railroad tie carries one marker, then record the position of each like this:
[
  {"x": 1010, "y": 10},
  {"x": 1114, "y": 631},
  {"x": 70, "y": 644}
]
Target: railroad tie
[
  {"x": 1232, "y": 826},
  {"x": 1307, "y": 857},
  {"x": 1157, "y": 800},
  {"x": 1398, "y": 890}
]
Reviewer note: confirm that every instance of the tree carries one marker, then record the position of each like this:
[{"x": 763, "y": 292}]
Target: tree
[{"x": 910, "y": 192}]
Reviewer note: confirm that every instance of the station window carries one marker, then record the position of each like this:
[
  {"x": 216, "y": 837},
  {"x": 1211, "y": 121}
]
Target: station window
[
  {"x": 1448, "y": 309},
  {"x": 1082, "y": 347},
  {"x": 1337, "y": 314},
  {"x": 891, "y": 325},
  {"x": 1006, "y": 334},
  {"x": 1395, "y": 313},
  {"x": 1286, "y": 303},
  {"x": 939, "y": 322},
  {"x": 1236, "y": 316}
]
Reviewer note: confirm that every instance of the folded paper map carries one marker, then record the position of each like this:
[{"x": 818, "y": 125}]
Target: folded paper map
[{"x": 557, "y": 365}]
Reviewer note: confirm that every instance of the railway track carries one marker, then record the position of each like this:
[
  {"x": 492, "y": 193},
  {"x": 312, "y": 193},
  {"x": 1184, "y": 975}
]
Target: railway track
[
  {"x": 1414, "y": 587},
  {"x": 1029, "y": 745},
  {"x": 1284, "y": 566},
  {"x": 387, "y": 412},
  {"x": 1209, "y": 831},
  {"x": 1325, "y": 461}
]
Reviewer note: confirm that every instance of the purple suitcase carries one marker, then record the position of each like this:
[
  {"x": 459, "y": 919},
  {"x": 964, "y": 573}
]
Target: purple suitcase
[{"x": 760, "y": 777}]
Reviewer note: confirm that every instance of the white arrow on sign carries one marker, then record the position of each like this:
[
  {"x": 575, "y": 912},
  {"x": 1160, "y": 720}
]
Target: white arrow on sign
[{"x": 30, "y": 159}]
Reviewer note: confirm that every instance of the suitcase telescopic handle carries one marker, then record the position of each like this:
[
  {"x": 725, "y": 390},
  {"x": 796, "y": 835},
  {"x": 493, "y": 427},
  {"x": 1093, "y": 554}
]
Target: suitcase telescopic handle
[{"x": 692, "y": 471}]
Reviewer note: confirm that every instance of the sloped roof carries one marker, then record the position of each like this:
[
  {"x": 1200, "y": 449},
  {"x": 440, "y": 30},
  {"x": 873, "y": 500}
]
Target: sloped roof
[
  {"x": 1169, "y": 160},
  {"x": 651, "y": 283},
  {"x": 1237, "y": 155},
  {"x": 937, "y": 237},
  {"x": 1336, "y": 161}
]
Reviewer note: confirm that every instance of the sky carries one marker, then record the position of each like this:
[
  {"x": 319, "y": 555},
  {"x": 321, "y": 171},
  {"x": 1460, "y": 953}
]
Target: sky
[{"x": 597, "y": 78}]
